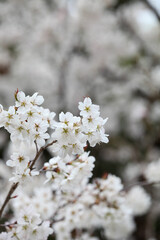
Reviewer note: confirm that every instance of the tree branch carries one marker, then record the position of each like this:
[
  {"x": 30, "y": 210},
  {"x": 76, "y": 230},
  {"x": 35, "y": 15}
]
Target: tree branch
[
  {"x": 39, "y": 153},
  {"x": 153, "y": 9},
  {"x": 144, "y": 183},
  {"x": 12, "y": 189}
]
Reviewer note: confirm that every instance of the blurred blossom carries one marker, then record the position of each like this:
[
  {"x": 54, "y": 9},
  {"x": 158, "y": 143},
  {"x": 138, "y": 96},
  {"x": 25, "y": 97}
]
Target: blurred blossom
[
  {"x": 108, "y": 50},
  {"x": 138, "y": 200}
]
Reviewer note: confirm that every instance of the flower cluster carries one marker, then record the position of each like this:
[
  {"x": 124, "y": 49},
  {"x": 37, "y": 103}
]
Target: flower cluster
[
  {"x": 69, "y": 172},
  {"x": 120, "y": 67},
  {"x": 42, "y": 201},
  {"x": 72, "y": 133},
  {"x": 28, "y": 226},
  {"x": 102, "y": 204},
  {"x": 27, "y": 121},
  {"x": 92, "y": 122},
  {"x": 21, "y": 164},
  {"x": 28, "y": 125},
  {"x": 65, "y": 202}
]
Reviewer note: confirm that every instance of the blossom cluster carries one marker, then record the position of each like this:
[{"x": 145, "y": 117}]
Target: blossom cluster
[
  {"x": 42, "y": 201},
  {"x": 102, "y": 204},
  {"x": 64, "y": 201},
  {"x": 28, "y": 226},
  {"x": 21, "y": 165},
  {"x": 26, "y": 121},
  {"x": 120, "y": 69},
  {"x": 72, "y": 133},
  {"x": 68, "y": 172}
]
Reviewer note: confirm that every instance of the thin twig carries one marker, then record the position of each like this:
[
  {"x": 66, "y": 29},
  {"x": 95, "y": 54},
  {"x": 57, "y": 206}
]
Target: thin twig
[
  {"x": 36, "y": 157},
  {"x": 39, "y": 153},
  {"x": 144, "y": 183},
  {"x": 50, "y": 144},
  {"x": 12, "y": 189}
]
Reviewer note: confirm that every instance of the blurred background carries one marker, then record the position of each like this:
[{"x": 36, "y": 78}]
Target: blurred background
[{"x": 108, "y": 50}]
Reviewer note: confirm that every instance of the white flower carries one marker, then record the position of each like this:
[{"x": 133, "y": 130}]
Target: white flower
[
  {"x": 40, "y": 138},
  {"x": 66, "y": 118},
  {"x": 20, "y": 163},
  {"x": 5, "y": 236},
  {"x": 138, "y": 200},
  {"x": 152, "y": 172},
  {"x": 70, "y": 139},
  {"x": 18, "y": 159},
  {"x": 88, "y": 109},
  {"x": 120, "y": 228},
  {"x": 110, "y": 187},
  {"x": 21, "y": 174},
  {"x": 28, "y": 226},
  {"x": 22, "y": 101},
  {"x": 49, "y": 117},
  {"x": 36, "y": 99}
]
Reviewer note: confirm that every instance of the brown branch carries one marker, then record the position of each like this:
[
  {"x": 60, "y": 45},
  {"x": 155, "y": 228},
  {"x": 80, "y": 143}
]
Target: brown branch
[
  {"x": 50, "y": 144},
  {"x": 15, "y": 185},
  {"x": 36, "y": 157},
  {"x": 39, "y": 153},
  {"x": 144, "y": 183},
  {"x": 153, "y": 9},
  {"x": 12, "y": 189}
]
